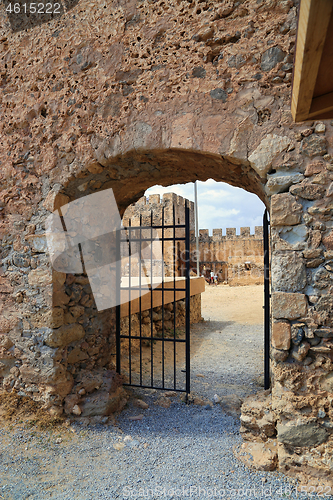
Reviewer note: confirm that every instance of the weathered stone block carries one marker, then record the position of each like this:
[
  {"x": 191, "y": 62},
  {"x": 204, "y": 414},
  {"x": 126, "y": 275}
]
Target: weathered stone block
[
  {"x": 37, "y": 242},
  {"x": 288, "y": 272},
  {"x": 299, "y": 433},
  {"x": 40, "y": 277},
  {"x": 271, "y": 57},
  {"x": 316, "y": 167},
  {"x": 278, "y": 355},
  {"x": 288, "y": 305},
  {"x": 103, "y": 403},
  {"x": 299, "y": 352},
  {"x": 314, "y": 239},
  {"x": 285, "y": 211},
  {"x": 278, "y": 183},
  {"x": 312, "y": 253},
  {"x": 314, "y": 263},
  {"x": 324, "y": 332},
  {"x": 297, "y": 333},
  {"x": 65, "y": 335},
  {"x": 21, "y": 260},
  {"x": 60, "y": 298},
  {"x": 5, "y": 342},
  {"x": 260, "y": 456},
  {"x": 281, "y": 334},
  {"x": 314, "y": 145},
  {"x": 308, "y": 190},
  {"x": 289, "y": 237},
  {"x": 322, "y": 278},
  {"x": 55, "y": 200},
  {"x": 328, "y": 240},
  {"x": 270, "y": 147}
]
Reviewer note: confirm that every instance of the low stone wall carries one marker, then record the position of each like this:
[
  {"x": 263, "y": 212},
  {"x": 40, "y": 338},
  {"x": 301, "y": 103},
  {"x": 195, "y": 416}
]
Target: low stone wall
[
  {"x": 241, "y": 276},
  {"x": 167, "y": 314}
]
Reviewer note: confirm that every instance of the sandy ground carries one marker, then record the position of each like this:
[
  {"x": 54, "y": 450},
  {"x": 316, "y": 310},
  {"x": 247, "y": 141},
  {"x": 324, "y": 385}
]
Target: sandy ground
[
  {"x": 226, "y": 347},
  {"x": 241, "y": 304}
]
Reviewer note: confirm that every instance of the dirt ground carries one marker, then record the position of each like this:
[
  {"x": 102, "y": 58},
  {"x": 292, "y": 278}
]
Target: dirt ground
[
  {"x": 226, "y": 347},
  {"x": 243, "y": 304}
]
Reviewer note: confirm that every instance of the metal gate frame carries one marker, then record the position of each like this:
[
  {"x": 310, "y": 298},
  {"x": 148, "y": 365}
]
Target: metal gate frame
[
  {"x": 267, "y": 298},
  {"x": 125, "y": 236}
]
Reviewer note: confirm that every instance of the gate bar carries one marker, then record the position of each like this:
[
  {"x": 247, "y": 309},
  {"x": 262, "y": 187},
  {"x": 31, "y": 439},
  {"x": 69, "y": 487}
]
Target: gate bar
[
  {"x": 118, "y": 299},
  {"x": 266, "y": 303},
  {"x": 188, "y": 298}
]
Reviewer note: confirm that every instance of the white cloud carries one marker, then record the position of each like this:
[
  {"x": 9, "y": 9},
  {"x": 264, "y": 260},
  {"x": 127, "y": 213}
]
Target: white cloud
[{"x": 220, "y": 205}]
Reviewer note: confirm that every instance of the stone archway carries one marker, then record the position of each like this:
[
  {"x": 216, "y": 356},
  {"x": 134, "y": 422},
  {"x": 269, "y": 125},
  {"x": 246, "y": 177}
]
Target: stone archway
[{"x": 128, "y": 104}]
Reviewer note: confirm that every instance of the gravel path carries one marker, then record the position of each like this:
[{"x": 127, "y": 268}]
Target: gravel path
[{"x": 184, "y": 451}]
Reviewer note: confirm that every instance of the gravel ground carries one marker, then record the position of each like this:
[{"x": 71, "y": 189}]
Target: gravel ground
[{"x": 184, "y": 451}]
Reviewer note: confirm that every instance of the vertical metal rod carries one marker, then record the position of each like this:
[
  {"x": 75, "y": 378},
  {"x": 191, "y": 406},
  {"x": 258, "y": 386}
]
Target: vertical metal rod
[
  {"x": 151, "y": 302},
  {"x": 266, "y": 303},
  {"x": 163, "y": 382},
  {"x": 129, "y": 303},
  {"x": 188, "y": 297},
  {"x": 196, "y": 226},
  {"x": 118, "y": 292},
  {"x": 174, "y": 298},
  {"x": 140, "y": 303}
]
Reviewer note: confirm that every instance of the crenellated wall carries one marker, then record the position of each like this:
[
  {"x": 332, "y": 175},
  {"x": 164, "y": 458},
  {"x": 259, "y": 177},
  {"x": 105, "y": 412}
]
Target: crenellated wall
[
  {"x": 235, "y": 259},
  {"x": 151, "y": 208},
  {"x": 231, "y": 248}
]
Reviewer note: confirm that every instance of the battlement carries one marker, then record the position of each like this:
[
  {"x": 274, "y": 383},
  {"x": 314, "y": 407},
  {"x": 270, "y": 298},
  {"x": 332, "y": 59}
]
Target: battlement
[
  {"x": 167, "y": 198},
  {"x": 245, "y": 233},
  {"x": 154, "y": 205}
]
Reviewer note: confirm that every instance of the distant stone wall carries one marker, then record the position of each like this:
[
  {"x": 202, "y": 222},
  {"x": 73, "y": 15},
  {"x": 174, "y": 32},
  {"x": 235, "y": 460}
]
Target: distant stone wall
[
  {"x": 152, "y": 211},
  {"x": 236, "y": 259},
  {"x": 155, "y": 205},
  {"x": 159, "y": 316}
]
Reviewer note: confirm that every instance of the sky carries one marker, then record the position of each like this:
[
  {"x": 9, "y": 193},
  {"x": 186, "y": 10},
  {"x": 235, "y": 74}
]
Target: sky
[{"x": 220, "y": 205}]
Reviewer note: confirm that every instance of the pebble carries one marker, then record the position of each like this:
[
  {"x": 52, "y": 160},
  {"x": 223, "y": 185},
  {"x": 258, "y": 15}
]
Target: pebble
[
  {"x": 136, "y": 417},
  {"x": 320, "y": 128}
]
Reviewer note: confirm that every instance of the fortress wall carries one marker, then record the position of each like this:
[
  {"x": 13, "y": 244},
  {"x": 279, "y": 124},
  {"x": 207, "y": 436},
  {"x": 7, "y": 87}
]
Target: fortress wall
[
  {"x": 125, "y": 95},
  {"x": 231, "y": 248}
]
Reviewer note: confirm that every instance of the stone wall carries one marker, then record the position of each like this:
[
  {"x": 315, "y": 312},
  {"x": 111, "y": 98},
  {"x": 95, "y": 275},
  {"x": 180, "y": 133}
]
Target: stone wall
[
  {"x": 127, "y": 95},
  {"x": 171, "y": 206},
  {"x": 156, "y": 314},
  {"x": 236, "y": 259},
  {"x": 171, "y": 209}
]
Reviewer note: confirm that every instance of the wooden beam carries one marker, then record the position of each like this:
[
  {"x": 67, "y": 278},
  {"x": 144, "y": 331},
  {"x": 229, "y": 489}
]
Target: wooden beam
[
  {"x": 314, "y": 18},
  {"x": 321, "y": 104}
]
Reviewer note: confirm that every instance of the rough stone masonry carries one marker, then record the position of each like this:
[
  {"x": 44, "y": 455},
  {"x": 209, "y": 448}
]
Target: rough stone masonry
[{"x": 128, "y": 94}]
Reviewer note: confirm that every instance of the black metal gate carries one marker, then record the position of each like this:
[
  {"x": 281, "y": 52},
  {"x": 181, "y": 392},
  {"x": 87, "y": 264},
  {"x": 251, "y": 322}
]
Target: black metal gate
[
  {"x": 267, "y": 297},
  {"x": 153, "y": 322}
]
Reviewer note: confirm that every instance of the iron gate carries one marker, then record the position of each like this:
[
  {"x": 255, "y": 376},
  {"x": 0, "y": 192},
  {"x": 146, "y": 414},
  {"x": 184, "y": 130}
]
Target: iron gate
[
  {"x": 153, "y": 323},
  {"x": 267, "y": 297}
]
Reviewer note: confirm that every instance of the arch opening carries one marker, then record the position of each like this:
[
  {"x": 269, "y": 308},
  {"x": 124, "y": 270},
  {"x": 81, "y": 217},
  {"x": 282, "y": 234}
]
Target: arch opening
[{"x": 92, "y": 349}]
